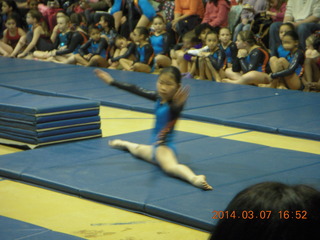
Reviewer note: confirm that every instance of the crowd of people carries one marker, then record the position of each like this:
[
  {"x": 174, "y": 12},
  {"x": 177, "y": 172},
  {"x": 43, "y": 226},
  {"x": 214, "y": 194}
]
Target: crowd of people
[{"x": 267, "y": 43}]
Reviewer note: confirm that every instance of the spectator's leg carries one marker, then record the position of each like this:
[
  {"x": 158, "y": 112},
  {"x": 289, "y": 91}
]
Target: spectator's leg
[
  {"x": 305, "y": 30},
  {"x": 89, "y": 16},
  {"x": 171, "y": 33},
  {"x": 274, "y": 40},
  {"x": 143, "y": 21},
  {"x": 117, "y": 19},
  {"x": 246, "y": 27},
  {"x": 237, "y": 29}
]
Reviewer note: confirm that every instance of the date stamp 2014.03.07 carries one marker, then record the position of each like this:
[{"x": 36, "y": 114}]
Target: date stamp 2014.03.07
[{"x": 263, "y": 215}]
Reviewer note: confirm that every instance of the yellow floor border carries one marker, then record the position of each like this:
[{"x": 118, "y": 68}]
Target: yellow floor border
[{"x": 84, "y": 218}]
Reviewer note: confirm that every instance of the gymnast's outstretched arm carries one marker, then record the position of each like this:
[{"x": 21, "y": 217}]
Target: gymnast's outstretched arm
[{"x": 107, "y": 78}]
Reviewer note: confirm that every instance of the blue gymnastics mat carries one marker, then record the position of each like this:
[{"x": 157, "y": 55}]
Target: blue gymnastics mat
[
  {"x": 93, "y": 170},
  {"x": 287, "y": 112},
  {"x": 34, "y": 119},
  {"x": 16, "y": 230}
]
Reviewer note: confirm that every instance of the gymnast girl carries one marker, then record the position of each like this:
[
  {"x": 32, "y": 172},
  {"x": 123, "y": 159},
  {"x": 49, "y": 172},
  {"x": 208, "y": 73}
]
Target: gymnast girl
[
  {"x": 187, "y": 63},
  {"x": 79, "y": 37},
  {"x": 311, "y": 79},
  {"x": 61, "y": 43},
  {"x": 11, "y": 35},
  {"x": 106, "y": 23},
  {"x": 291, "y": 67},
  {"x": 275, "y": 61},
  {"x": 229, "y": 47},
  {"x": 124, "y": 49},
  {"x": 212, "y": 61},
  {"x": 252, "y": 63},
  {"x": 96, "y": 46},
  {"x": 9, "y": 7},
  {"x": 37, "y": 37},
  {"x": 55, "y": 31},
  {"x": 144, "y": 53},
  {"x": 160, "y": 42},
  {"x": 189, "y": 40},
  {"x": 170, "y": 98}
]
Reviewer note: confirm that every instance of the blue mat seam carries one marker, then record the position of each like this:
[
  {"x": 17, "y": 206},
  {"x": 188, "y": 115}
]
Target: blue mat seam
[
  {"x": 34, "y": 234},
  {"x": 226, "y": 103},
  {"x": 270, "y": 174},
  {"x": 233, "y": 134}
]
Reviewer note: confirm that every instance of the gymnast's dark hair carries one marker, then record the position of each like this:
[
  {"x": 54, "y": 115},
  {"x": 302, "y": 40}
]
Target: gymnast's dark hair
[
  {"x": 160, "y": 17},
  {"x": 212, "y": 32},
  {"x": 13, "y": 5},
  {"x": 92, "y": 28},
  {"x": 175, "y": 72},
  {"x": 276, "y": 198},
  {"x": 202, "y": 27},
  {"x": 289, "y": 24},
  {"x": 293, "y": 34},
  {"x": 251, "y": 39},
  {"x": 143, "y": 31},
  {"x": 109, "y": 19}
]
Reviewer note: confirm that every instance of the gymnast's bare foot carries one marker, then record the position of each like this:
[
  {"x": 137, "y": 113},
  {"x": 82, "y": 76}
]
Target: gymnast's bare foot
[
  {"x": 119, "y": 144},
  {"x": 201, "y": 182}
]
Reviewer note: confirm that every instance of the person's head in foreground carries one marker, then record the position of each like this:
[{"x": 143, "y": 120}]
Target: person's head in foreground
[{"x": 271, "y": 211}]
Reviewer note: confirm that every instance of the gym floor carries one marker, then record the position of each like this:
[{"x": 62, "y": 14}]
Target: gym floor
[{"x": 91, "y": 220}]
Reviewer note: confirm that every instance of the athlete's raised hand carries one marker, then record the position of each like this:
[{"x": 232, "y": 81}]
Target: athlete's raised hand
[
  {"x": 181, "y": 96},
  {"x": 104, "y": 76}
]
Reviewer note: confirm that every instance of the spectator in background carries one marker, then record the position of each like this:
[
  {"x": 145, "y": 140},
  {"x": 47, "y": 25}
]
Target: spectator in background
[
  {"x": 290, "y": 68},
  {"x": 139, "y": 14},
  {"x": 216, "y": 13},
  {"x": 250, "y": 9},
  {"x": 293, "y": 214},
  {"x": 9, "y": 7},
  {"x": 37, "y": 38},
  {"x": 304, "y": 15},
  {"x": 124, "y": 49},
  {"x": 277, "y": 10},
  {"x": 11, "y": 36},
  {"x": 79, "y": 36},
  {"x": 187, "y": 15},
  {"x": 168, "y": 9},
  {"x": 160, "y": 41},
  {"x": 96, "y": 46},
  {"x": 312, "y": 64},
  {"x": 144, "y": 54},
  {"x": 251, "y": 66}
]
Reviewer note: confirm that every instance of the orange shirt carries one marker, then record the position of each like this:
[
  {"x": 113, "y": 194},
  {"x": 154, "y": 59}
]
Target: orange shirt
[{"x": 189, "y": 7}]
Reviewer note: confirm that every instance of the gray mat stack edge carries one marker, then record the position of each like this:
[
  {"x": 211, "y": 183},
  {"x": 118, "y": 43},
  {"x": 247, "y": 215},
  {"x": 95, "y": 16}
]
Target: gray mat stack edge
[
  {"x": 288, "y": 112},
  {"x": 34, "y": 120}
]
